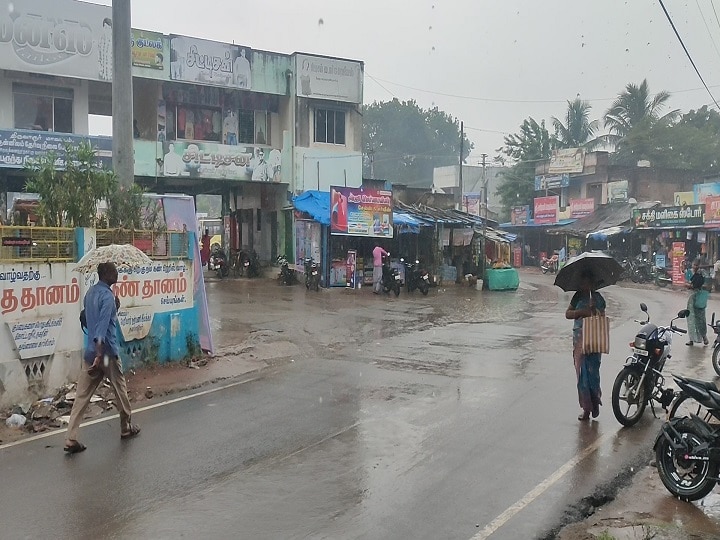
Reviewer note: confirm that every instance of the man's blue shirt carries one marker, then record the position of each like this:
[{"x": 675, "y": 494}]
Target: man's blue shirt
[{"x": 101, "y": 315}]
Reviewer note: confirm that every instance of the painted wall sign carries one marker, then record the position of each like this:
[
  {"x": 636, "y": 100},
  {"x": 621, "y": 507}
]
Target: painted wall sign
[
  {"x": 19, "y": 146},
  {"x": 210, "y": 62},
  {"x": 329, "y": 78},
  {"x": 36, "y": 337}
]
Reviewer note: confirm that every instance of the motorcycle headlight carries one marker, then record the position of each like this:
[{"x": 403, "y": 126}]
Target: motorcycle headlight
[{"x": 640, "y": 343}]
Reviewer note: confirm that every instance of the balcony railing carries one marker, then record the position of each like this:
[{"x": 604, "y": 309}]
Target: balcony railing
[
  {"x": 156, "y": 245},
  {"x": 37, "y": 244}
]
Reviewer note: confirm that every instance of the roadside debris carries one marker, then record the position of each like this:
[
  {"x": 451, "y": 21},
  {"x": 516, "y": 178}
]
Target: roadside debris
[{"x": 16, "y": 420}]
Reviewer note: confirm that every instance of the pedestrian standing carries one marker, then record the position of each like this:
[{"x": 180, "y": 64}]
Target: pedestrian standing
[
  {"x": 585, "y": 303},
  {"x": 378, "y": 254},
  {"x": 697, "y": 302},
  {"x": 100, "y": 359}
]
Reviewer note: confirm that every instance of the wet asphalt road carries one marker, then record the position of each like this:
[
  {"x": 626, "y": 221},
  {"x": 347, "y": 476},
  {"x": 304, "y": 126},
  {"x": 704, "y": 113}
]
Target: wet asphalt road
[{"x": 417, "y": 417}]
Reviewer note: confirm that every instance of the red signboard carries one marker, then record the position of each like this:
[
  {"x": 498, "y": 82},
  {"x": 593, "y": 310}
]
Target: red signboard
[
  {"x": 581, "y": 207},
  {"x": 546, "y": 210}
]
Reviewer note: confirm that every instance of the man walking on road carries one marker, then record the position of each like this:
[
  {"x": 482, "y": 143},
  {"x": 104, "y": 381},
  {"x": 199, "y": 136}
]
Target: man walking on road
[
  {"x": 101, "y": 358},
  {"x": 378, "y": 254}
]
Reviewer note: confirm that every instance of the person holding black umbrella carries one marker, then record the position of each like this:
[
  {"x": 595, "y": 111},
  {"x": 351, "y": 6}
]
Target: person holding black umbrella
[{"x": 585, "y": 303}]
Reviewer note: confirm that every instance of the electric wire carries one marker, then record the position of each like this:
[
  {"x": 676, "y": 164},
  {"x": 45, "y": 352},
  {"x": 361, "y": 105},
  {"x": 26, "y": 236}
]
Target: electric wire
[
  {"x": 677, "y": 34},
  {"x": 707, "y": 27}
]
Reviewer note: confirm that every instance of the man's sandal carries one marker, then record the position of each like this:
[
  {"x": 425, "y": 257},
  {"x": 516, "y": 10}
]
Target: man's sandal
[
  {"x": 132, "y": 432},
  {"x": 74, "y": 448}
]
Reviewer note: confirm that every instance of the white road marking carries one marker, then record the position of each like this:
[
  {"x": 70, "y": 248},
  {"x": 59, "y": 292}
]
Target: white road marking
[
  {"x": 538, "y": 490},
  {"x": 135, "y": 411}
]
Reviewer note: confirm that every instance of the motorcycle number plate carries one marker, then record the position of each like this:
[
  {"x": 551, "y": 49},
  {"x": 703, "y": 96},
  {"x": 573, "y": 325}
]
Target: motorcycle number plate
[
  {"x": 639, "y": 352},
  {"x": 397, "y": 278},
  {"x": 247, "y": 264},
  {"x": 426, "y": 278},
  {"x": 314, "y": 273}
]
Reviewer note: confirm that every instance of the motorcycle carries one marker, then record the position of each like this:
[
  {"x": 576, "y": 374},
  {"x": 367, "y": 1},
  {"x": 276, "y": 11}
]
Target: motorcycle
[
  {"x": 390, "y": 278},
  {"x": 249, "y": 263},
  {"x": 662, "y": 276},
  {"x": 312, "y": 274},
  {"x": 715, "y": 325},
  {"x": 415, "y": 278},
  {"x": 218, "y": 262},
  {"x": 640, "y": 381},
  {"x": 640, "y": 270},
  {"x": 549, "y": 265},
  {"x": 687, "y": 448},
  {"x": 287, "y": 276}
]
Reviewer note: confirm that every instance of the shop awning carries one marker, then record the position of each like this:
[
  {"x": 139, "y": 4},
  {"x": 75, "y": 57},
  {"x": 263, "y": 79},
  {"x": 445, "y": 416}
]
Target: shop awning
[
  {"x": 405, "y": 223},
  {"x": 605, "y": 216},
  {"x": 604, "y": 234},
  {"x": 316, "y": 204},
  {"x": 531, "y": 223}
]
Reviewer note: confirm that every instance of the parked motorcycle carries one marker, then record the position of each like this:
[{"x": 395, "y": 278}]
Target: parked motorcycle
[
  {"x": 640, "y": 270},
  {"x": 249, "y": 263},
  {"x": 715, "y": 325},
  {"x": 687, "y": 448},
  {"x": 390, "y": 278},
  {"x": 416, "y": 278},
  {"x": 640, "y": 381},
  {"x": 218, "y": 262},
  {"x": 549, "y": 265},
  {"x": 312, "y": 274},
  {"x": 287, "y": 276},
  {"x": 663, "y": 276}
]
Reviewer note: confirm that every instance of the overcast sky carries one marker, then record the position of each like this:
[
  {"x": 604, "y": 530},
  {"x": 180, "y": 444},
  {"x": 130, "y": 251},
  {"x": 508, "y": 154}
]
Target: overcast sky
[{"x": 502, "y": 60}]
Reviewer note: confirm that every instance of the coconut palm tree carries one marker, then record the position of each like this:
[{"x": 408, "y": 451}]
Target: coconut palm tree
[
  {"x": 577, "y": 131},
  {"x": 636, "y": 108}
]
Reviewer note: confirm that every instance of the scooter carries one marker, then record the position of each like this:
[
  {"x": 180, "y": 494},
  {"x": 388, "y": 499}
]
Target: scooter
[
  {"x": 390, "y": 278},
  {"x": 287, "y": 276},
  {"x": 312, "y": 274},
  {"x": 218, "y": 263},
  {"x": 549, "y": 265},
  {"x": 415, "y": 278}
]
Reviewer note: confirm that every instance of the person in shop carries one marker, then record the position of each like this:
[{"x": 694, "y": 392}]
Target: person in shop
[{"x": 378, "y": 254}]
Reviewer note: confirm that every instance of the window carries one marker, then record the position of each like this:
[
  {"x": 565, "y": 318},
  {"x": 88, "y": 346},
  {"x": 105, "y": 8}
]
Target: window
[
  {"x": 254, "y": 127},
  {"x": 43, "y": 108},
  {"x": 329, "y": 126}
]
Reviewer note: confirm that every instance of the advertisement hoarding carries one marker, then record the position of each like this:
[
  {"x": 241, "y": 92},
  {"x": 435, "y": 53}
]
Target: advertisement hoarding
[
  {"x": 361, "y": 212},
  {"x": 702, "y": 191},
  {"x": 543, "y": 182},
  {"x": 546, "y": 210},
  {"x": 18, "y": 146},
  {"x": 329, "y": 78},
  {"x": 519, "y": 215},
  {"x": 684, "y": 198},
  {"x": 567, "y": 160},
  {"x": 148, "y": 50},
  {"x": 712, "y": 211},
  {"x": 617, "y": 191},
  {"x": 210, "y": 62}
]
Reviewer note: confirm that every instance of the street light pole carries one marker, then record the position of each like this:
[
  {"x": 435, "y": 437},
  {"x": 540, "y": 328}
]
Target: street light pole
[{"x": 122, "y": 94}]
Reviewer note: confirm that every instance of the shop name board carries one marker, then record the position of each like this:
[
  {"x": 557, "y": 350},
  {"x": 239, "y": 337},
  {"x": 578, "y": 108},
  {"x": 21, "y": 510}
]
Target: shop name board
[
  {"x": 210, "y": 62},
  {"x": 544, "y": 182},
  {"x": 329, "y": 78},
  {"x": 18, "y": 147},
  {"x": 147, "y": 50},
  {"x": 581, "y": 207},
  {"x": 673, "y": 216},
  {"x": 567, "y": 160},
  {"x": 712, "y": 211}
]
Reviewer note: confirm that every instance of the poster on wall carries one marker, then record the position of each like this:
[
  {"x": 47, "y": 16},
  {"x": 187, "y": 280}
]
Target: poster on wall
[
  {"x": 703, "y": 191},
  {"x": 307, "y": 242},
  {"x": 546, "y": 210},
  {"x": 567, "y": 160},
  {"x": 712, "y": 211},
  {"x": 684, "y": 198},
  {"x": 361, "y": 212},
  {"x": 471, "y": 203},
  {"x": 617, "y": 191},
  {"x": 519, "y": 215},
  {"x": 329, "y": 78},
  {"x": 581, "y": 207},
  {"x": 210, "y": 62},
  {"x": 678, "y": 258}
]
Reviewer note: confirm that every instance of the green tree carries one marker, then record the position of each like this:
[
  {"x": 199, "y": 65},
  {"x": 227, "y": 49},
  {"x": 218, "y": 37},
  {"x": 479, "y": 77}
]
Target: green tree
[
  {"x": 403, "y": 142},
  {"x": 69, "y": 197},
  {"x": 526, "y": 148},
  {"x": 635, "y": 108},
  {"x": 577, "y": 131}
]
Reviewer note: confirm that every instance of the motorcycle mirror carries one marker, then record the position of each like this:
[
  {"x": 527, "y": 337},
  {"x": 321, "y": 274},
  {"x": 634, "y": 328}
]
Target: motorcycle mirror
[
  {"x": 683, "y": 313},
  {"x": 402, "y": 259},
  {"x": 417, "y": 262},
  {"x": 643, "y": 307}
]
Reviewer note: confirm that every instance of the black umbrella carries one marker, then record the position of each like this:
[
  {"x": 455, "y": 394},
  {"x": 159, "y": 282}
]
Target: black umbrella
[{"x": 605, "y": 270}]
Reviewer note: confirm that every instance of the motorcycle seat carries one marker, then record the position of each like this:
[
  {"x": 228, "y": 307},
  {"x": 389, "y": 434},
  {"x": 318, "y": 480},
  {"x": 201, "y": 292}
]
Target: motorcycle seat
[{"x": 707, "y": 385}]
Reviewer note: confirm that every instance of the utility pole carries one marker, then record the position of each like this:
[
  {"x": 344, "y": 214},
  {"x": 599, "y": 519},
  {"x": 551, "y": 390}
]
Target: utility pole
[
  {"x": 484, "y": 219},
  {"x": 122, "y": 94},
  {"x": 462, "y": 147},
  {"x": 485, "y": 184}
]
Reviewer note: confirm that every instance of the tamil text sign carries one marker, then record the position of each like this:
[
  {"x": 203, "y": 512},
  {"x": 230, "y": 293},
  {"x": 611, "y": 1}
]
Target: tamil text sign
[
  {"x": 361, "y": 212},
  {"x": 329, "y": 78},
  {"x": 546, "y": 210},
  {"x": 519, "y": 215},
  {"x": 673, "y": 216},
  {"x": 148, "y": 50},
  {"x": 210, "y": 62},
  {"x": 18, "y": 146},
  {"x": 712, "y": 211},
  {"x": 581, "y": 207},
  {"x": 568, "y": 160},
  {"x": 543, "y": 182}
]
